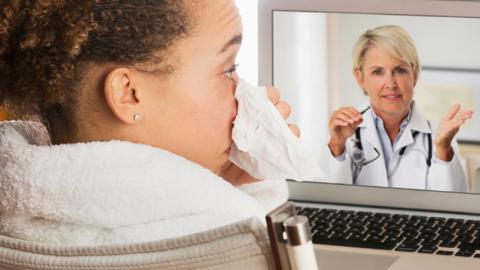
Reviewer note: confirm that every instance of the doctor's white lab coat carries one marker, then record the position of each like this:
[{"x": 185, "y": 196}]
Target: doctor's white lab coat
[{"x": 407, "y": 171}]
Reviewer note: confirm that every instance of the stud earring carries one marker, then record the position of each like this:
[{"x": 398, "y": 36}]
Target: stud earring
[{"x": 137, "y": 117}]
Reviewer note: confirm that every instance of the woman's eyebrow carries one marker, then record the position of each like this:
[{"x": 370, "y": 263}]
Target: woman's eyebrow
[{"x": 234, "y": 41}]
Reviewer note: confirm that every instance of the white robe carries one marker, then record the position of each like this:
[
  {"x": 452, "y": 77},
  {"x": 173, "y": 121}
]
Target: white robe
[{"x": 113, "y": 192}]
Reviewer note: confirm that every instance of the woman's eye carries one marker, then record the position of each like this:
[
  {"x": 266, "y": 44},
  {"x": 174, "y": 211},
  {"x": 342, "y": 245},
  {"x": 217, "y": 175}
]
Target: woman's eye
[
  {"x": 229, "y": 72},
  {"x": 401, "y": 71},
  {"x": 377, "y": 72}
]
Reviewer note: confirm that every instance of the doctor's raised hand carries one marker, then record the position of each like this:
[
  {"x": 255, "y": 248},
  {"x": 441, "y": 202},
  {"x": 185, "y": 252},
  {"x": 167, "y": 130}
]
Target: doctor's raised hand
[
  {"x": 448, "y": 128},
  {"x": 341, "y": 126}
]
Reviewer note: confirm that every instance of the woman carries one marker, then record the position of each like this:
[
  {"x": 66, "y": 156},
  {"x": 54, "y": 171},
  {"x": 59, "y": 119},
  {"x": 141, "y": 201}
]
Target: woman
[
  {"x": 390, "y": 143},
  {"x": 138, "y": 101}
]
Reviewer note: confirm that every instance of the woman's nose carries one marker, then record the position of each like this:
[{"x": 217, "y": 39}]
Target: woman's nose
[
  {"x": 390, "y": 80},
  {"x": 235, "y": 77}
]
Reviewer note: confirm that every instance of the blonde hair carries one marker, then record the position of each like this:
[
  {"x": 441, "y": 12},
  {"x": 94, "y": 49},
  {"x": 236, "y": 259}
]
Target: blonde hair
[{"x": 392, "y": 39}]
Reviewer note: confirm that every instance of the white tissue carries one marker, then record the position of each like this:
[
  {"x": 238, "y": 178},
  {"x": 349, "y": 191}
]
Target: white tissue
[{"x": 263, "y": 145}]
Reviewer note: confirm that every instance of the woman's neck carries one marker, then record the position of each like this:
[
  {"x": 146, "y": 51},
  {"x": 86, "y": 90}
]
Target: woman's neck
[
  {"x": 392, "y": 128},
  {"x": 392, "y": 123}
]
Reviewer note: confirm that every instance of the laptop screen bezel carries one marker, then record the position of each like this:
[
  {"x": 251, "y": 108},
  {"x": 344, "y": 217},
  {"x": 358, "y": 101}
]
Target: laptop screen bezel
[{"x": 364, "y": 195}]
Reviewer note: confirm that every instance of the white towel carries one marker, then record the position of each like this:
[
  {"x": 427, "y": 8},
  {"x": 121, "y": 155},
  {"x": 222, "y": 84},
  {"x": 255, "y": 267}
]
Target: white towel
[{"x": 111, "y": 192}]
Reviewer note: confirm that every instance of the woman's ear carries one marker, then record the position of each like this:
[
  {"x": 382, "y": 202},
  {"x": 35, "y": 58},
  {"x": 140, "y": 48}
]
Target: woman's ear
[
  {"x": 122, "y": 97},
  {"x": 360, "y": 80}
]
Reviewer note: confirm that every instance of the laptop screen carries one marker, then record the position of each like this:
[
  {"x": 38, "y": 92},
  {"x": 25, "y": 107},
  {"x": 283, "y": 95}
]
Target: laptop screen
[{"x": 313, "y": 66}]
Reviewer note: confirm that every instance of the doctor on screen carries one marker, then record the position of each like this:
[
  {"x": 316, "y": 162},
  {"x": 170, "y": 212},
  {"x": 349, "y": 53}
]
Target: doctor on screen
[{"x": 390, "y": 143}]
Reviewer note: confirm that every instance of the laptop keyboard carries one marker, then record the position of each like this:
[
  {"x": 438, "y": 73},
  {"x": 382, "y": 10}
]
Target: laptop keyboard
[{"x": 434, "y": 235}]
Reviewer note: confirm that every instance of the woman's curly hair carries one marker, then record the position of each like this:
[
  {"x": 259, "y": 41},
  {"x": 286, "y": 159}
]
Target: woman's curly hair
[{"x": 43, "y": 43}]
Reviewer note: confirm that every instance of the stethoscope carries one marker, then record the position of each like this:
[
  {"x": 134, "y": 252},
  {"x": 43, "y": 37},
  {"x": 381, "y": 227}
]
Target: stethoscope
[{"x": 358, "y": 156}]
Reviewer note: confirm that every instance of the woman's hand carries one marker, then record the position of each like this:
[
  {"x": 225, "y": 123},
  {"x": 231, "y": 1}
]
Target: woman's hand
[
  {"x": 282, "y": 107},
  {"x": 235, "y": 175},
  {"x": 448, "y": 128},
  {"x": 342, "y": 125}
]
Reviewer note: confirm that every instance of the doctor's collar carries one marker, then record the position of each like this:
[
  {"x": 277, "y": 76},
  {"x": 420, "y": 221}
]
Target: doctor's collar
[
  {"x": 378, "y": 120},
  {"x": 415, "y": 120},
  {"x": 419, "y": 122}
]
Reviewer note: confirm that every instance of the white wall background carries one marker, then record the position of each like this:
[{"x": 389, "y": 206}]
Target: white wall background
[
  {"x": 248, "y": 55},
  {"x": 299, "y": 71}
]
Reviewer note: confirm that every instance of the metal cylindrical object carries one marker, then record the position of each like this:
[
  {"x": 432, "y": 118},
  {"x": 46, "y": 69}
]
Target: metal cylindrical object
[
  {"x": 298, "y": 230},
  {"x": 299, "y": 244}
]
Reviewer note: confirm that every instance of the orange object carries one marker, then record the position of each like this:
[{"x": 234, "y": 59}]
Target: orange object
[{"x": 3, "y": 114}]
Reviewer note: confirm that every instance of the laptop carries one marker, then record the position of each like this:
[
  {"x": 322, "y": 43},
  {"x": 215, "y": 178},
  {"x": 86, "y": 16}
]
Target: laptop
[{"x": 305, "y": 48}]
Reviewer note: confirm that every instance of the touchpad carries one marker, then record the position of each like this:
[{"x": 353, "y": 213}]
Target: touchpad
[{"x": 339, "y": 260}]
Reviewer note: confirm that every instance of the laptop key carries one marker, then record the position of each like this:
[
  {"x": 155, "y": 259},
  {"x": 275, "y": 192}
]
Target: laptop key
[
  {"x": 423, "y": 218},
  {"x": 428, "y": 249},
  {"x": 394, "y": 239},
  {"x": 409, "y": 247},
  {"x": 339, "y": 236},
  {"x": 430, "y": 243},
  {"x": 356, "y": 237},
  {"x": 465, "y": 238},
  {"x": 349, "y": 212},
  {"x": 447, "y": 237},
  {"x": 462, "y": 253},
  {"x": 429, "y": 224},
  {"x": 357, "y": 224},
  {"x": 449, "y": 244},
  {"x": 308, "y": 212},
  {"x": 356, "y": 230},
  {"x": 470, "y": 246},
  {"x": 439, "y": 219},
  {"x": 375, "y": 238},
  {"x": 444, "y": 252},
  {"x": 327, "y": 210}
]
